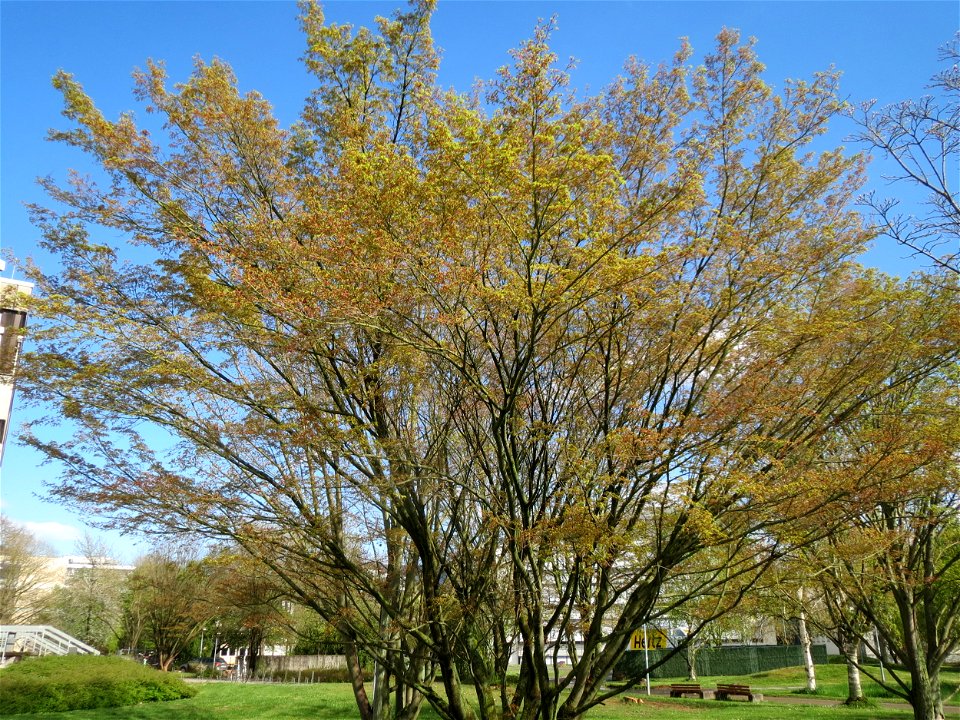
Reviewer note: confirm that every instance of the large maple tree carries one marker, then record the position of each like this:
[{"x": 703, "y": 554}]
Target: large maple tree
[{"x": 474, "y": 375}]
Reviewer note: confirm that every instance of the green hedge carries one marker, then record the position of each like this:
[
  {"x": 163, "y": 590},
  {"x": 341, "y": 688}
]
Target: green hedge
[
  {"x": 79, "y": 682},
  {"x": 733, "y": 660}
]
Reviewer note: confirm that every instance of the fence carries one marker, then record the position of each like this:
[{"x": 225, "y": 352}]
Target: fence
[
  {"x": 299, "y": 663},
  {"x": 733, "y": 660}
]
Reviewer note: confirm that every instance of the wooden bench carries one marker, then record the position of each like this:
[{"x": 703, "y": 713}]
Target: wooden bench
[
  {"x": 681, "y": 689},
  {"x": 725, "y": 691}
]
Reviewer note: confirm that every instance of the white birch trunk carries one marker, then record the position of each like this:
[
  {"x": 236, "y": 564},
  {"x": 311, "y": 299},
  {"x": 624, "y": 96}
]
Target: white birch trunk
[
  {"x": 855, "y": 689},
  {"x": 805, "y": 643}
]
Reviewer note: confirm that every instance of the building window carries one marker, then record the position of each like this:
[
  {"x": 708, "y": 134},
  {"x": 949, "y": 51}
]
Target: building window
[{"x": 11, "y": 323}]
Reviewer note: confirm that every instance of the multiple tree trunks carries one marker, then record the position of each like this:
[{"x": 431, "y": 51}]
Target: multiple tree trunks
[{"x": 455, "y": 371}]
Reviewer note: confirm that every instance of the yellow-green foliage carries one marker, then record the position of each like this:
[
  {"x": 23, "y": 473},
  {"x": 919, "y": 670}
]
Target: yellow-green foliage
[{"x": 77, "y": 682}]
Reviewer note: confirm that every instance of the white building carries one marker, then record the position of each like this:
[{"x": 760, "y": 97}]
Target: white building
[
  {"x": 13, "y": 320},
  {"x": 57, "y": 571}
]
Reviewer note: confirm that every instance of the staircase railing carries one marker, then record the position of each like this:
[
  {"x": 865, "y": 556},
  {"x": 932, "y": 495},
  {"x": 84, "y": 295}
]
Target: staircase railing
[{"x": 40, "y": 640}]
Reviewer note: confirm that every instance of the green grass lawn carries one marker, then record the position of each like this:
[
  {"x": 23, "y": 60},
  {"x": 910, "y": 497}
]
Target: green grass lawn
[
  {"x": 238, "y": 701},
  {"x": 735, "y": 710},
  {"x": 332, "y": 701},
  {"x": 831, "y": 683}
]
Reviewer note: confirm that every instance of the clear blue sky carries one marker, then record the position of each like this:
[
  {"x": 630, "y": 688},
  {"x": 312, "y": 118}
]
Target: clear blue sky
[{"x": 886, "y": 50}]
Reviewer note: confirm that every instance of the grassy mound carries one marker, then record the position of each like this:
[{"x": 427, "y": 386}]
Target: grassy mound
[{"x": 79, "y": 682}]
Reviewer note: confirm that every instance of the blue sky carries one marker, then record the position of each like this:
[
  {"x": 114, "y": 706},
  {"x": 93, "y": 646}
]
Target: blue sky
[{"x": 886, "y": 50}]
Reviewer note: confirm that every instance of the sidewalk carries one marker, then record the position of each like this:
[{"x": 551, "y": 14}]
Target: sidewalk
[{"x": 830, "y": 702}]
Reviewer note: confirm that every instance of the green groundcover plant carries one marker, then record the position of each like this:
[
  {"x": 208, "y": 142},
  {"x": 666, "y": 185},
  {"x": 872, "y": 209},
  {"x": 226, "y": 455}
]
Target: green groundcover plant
[{"x": 78, "y": 682}]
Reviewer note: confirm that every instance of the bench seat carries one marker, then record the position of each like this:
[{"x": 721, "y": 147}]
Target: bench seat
[
  {"x": 724, "y": 692},
  {"x": 680, "y": 689}
]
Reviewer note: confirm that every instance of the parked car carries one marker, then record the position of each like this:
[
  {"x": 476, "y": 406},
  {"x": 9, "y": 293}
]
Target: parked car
[{"x": 205, "y": 663}]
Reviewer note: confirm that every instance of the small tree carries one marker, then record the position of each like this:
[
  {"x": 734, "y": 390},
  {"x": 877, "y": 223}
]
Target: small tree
[
  {"x": 792, "y": 592},
  {"x": 172, "y": 594},
  {"x": 895, "y": 567},
  {"x": 248, "y": 600},
  {"x": 712, "y": 599},
  {"x": 24, "y": 580},
  {"x": 90, "y": 605}
]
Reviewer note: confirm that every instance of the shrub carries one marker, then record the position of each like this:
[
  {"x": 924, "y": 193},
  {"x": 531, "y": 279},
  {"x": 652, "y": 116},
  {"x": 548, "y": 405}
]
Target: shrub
[{"x": 79, "y": 682}]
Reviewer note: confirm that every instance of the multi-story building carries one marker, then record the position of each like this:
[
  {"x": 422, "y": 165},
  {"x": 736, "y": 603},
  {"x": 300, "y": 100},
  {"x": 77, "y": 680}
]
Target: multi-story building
[
  {"x": 13, "y": 320},
  {"x": 57, "y": 571}
]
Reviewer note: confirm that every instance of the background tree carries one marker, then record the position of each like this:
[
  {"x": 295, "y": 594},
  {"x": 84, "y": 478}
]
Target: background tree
[
  {"x": 460, "y": 372},
  {"x": 712, "y": 601},
  {"x": 791, "y": 592},
  {"x": 311, "y": 634},
  {"x": 249, "y": 603},
  {"x": 922, "y": 138},
  {"x": 172, "y": 594},
  {"x": 89, "y": 606},
  {"x": 895, "y": 568},
  {"x": 24, "y": 580},
  {"x": 132, "y": 620}
]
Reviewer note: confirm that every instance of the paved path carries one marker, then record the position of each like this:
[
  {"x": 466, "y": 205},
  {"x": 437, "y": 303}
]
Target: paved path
[{"x": 828, "y": 702}]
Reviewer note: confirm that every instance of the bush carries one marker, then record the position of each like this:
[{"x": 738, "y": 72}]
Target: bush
[{"x": 80, "y": 682}]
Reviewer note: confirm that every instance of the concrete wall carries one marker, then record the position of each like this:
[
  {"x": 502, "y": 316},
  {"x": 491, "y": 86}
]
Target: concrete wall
[{"x": 297, "y": 663}]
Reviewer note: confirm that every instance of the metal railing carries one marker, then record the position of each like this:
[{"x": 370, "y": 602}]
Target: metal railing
[{"x": 40, "y": 640}]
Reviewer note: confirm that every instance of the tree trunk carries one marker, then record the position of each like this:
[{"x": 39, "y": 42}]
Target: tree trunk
[
  {"x": 690, "y": 656},
  {"x": 409, "y": 700},
  {"x": 164, "y": 661},
  {"x": 380, "y": 707},
  {"x": 805, "y": 643},
  {"x": 355, "y": 672},
  {"x": 381, "y": 700},
  {"x": 254, "y": 648},
  {"x": 924, "y": 680},
  {"x": 854, "y": 688},
  {"x": 925, "y": 695}
]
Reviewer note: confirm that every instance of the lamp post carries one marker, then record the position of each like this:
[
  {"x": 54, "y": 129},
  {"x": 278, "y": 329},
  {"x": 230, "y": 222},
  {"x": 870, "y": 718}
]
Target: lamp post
[
  {"x": 646, "y": 656},
  {"x": 876, "y": 641},
  {"x": 216, "y": 645}
]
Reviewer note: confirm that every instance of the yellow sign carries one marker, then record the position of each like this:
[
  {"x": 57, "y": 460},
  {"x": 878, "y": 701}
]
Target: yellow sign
[{"x": 654, "y": 639}]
